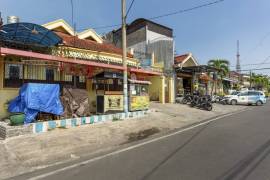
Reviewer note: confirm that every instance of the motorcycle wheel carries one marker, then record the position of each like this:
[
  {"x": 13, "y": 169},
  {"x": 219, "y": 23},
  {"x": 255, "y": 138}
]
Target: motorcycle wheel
[
  {"x": 184, "y": 101},
  {"x": 209, "y": 107}
]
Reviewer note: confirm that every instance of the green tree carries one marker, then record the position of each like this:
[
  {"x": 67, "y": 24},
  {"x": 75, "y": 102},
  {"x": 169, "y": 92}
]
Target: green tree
[
  {"x": 259, "y": 81},
  {"x": 223, "y": 66}
]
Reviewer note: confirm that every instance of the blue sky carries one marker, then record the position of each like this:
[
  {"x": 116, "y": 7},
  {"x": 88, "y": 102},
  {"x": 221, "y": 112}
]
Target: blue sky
[{"x": 209, "y": 32}]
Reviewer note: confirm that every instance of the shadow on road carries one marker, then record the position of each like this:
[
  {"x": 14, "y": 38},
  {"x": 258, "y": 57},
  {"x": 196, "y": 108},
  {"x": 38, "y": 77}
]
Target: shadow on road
[
  {"x": 149, "y": 174},
  {"x": 246, "y": 166}
]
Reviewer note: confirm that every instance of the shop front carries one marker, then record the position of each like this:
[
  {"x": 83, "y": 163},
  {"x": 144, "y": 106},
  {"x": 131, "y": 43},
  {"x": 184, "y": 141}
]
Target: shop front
[
  {"x": 201, "y": 77},
  {"x": 184, "y": 79},
  {"x": 109, "y": 91},
  {"x": 93, "y": 67},
  {"x": 139, "y": 95}
]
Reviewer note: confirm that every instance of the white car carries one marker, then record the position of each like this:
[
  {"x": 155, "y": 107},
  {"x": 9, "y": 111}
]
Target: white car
[
  {"x": 232, "y": 94},
  {"x": 228, "y": 97},
  {"x": 248, "y": 97}
]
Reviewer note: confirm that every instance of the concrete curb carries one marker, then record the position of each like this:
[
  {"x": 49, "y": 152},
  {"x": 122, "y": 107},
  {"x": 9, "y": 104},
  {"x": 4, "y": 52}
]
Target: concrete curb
[{"x": 7, "y": 131}]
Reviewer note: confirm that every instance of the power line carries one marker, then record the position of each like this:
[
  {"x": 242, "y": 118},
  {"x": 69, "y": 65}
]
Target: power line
[
  {"x": 164, "y": 15},
  {"x": 266, "y": 59},
  {"x": 130, "y": 6},
  {"x": 256, "y": 69},
  {"x": 249, "y": 64},
  {"x": 259, "y": 44},
  {"x": 188, "y": 9}
]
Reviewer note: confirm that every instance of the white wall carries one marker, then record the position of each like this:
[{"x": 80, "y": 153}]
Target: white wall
[{"x": 153, "y": 36}]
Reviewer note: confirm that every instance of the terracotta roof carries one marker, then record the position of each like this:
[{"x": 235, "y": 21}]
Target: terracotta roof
[
  {"x": 180, "y": 58},
  {"x": 89, "y": 44}
]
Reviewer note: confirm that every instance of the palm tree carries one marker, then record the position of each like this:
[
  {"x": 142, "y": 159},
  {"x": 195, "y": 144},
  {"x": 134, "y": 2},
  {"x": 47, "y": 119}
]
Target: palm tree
[{"x": 223, "y": 66}]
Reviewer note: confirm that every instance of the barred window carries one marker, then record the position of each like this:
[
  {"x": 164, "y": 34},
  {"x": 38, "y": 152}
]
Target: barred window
[
  {"x": 13, "y": 71},
  {"x": 13, "y": 75}
]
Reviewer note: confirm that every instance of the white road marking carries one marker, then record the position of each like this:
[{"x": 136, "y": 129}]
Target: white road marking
[{"x": 132, "y": 147}]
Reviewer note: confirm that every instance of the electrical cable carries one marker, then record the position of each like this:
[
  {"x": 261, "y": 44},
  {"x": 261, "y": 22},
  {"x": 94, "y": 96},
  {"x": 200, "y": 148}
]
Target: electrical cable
[
  {"x": 130, "y": 6},
  {"x": 164, "y": 15},
  {"x": 188, "y": 9}
]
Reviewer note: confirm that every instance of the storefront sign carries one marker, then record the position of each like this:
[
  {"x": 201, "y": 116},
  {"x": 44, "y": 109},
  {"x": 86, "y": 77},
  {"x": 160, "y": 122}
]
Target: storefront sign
[
  {"x": 139, "y": 103},
  {"x": 113, "y": 103},
  {"x": 82, "y": 54}
]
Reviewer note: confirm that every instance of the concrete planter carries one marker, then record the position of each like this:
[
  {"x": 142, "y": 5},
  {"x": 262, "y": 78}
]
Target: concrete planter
[{"x": 39, "y": 127}]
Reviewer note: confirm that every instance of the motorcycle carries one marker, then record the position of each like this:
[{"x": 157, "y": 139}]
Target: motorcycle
[
  {"x": 187, "y": 99},
  {"x": 206, "y": 103},
  {"x": 195, "y": 100},
  {"x": 203, "y": 102},
  {"x": 219, "y": 99}
]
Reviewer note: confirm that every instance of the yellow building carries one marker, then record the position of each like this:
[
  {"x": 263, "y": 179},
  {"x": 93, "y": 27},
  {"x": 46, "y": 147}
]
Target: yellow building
[{"x": 55, "y": 53}]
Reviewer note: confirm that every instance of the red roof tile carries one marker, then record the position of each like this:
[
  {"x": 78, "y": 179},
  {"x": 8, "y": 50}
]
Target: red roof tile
[
  {"x": 89, "y": 44},
  {"x": 180, "y": 58}
]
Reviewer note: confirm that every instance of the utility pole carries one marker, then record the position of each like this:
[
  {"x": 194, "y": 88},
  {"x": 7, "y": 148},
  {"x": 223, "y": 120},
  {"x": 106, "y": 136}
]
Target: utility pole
[
  {"x": 124, "y": 58},
  {"x": 238, "y": 67},
  {"x": 1, "y": 24},
  {"x": 250, "y": 79},
  {"x": 1, "y": 21}
]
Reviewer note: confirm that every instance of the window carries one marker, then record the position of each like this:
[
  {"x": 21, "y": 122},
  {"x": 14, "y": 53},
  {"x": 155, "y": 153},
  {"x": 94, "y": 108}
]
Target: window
[
  {"x": 253, "y": 93},
  {"x": 243, "y": 94},
  {"x": 17, "y": 72},
  {"x": 82, "y": 79},
  {"x": 13, "y": 75},
  {"x": 49, "y": 74},
  {"x": 235, "y": 93},
  {"x": 144, "y": 90},
  {"x": 14, "y": 72}
]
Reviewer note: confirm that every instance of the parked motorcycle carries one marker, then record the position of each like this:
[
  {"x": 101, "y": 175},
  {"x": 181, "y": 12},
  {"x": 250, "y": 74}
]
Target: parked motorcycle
[
  {"x": 195, "y": 100},
  {"x": 219, "y": 99},
  {"x": 187, "y": 99},
  {"x": 204, "y": 102}
]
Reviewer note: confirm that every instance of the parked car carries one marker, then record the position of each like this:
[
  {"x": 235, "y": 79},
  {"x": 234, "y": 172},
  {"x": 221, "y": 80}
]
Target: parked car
[
  {"x": 248, "y": 97},
  {"x": 228, "y": 97}
]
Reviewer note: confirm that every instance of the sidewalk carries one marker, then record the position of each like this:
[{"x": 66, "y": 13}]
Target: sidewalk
[{"x": 27, "y": 153}]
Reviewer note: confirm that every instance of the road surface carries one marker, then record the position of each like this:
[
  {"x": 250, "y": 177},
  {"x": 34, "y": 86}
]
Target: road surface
[{"x": 230, "y": 148}]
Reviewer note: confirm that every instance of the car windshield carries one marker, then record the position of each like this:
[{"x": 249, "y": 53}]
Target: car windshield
[{"x": 235, "y": 93}]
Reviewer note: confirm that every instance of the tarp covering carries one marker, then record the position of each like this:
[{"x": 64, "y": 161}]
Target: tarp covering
[
  {"x": 75, "y": 102},
  {"x": 34, "y": 98}
]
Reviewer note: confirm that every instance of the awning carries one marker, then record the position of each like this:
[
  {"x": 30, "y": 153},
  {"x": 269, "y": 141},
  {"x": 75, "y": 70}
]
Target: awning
[
  {"x": 139, "y": 81},
  {"x": 29, "y": 33},
  {"x": 200, "y": 69},
  {"x": 9, "y": 51}
]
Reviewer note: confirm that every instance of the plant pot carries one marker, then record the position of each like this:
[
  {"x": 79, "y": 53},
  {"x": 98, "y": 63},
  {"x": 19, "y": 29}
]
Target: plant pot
[{"x": 17, "y": 119}]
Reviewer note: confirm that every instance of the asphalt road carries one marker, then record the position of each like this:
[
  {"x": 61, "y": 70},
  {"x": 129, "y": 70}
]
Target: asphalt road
[{"x": 234, "y": 147}]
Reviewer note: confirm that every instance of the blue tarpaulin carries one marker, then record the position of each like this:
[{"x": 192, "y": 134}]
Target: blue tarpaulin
[{"x": 34, "y": 98}]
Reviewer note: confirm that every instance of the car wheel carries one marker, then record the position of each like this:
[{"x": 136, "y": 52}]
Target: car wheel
[
  {"x": 259, "y": 103},
  {"x": 233, "y": 102}
]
